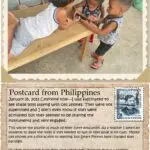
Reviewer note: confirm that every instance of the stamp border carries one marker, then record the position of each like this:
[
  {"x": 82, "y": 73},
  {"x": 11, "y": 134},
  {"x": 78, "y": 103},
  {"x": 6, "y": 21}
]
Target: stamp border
[
  {"x": 24, "y": 76},
  {"x": 128, "y": 119}
]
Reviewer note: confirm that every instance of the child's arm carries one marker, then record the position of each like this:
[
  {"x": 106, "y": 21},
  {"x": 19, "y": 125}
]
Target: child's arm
[
  {"x": 62, "y": 19},
  {"x": 101, "y": 17},
  {"x": 76, "y": 8},
  {"x": 104, "y": 31},
  {"x": 102, "y": 12}
]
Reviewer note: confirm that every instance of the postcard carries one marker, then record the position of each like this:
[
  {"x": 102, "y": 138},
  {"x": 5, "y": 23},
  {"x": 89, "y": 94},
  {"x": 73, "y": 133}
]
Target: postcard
[{"x": 75, "y": 116}]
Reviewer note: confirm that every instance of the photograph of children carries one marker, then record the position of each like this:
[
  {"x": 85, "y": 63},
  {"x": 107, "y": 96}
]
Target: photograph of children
[{"x": 114, "y": 45}]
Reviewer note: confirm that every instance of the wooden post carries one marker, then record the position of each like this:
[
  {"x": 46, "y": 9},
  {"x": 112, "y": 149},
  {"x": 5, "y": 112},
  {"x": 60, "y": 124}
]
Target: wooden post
[{"x": 84, "y": 47}]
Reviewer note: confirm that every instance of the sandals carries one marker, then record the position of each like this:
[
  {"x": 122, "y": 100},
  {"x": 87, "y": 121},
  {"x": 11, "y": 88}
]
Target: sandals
[{"x": 97, "y": 65}]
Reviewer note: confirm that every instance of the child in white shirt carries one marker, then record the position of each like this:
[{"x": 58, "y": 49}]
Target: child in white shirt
[{"x": 23, "y": 32}]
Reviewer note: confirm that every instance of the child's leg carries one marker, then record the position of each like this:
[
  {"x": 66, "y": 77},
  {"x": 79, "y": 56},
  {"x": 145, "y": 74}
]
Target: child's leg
[
  {"x": 99, "y": 55},
  {"x": 101, "y": 50},
  {"x": 12, "y": 19},
  {"x": 10, "y": 55},
  {"x": 12, "y": 24},
  {"x": 11, "y": 29},
  {"x": 91, "y": 39}
]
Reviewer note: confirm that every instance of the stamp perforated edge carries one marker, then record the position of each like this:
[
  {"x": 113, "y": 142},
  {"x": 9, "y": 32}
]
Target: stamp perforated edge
[
  {"x": 4, "y": 56},
  {"x": 142, "y": 105}
]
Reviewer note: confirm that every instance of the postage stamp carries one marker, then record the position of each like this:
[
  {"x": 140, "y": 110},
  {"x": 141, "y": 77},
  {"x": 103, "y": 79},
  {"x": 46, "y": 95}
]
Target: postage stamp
[
  {"x": 50, "y": 53},
  {"x": 129, "y": 104}
]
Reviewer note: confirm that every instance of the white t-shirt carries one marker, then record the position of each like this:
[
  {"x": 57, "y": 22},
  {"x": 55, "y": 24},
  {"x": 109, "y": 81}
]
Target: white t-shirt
[{"x": 43, "y": 24}]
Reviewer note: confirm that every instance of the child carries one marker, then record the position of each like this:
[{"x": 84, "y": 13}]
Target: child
[
  {"x": 31, "y": 28},
  {"x": 93, "y": 10},
  {"x": 110, "y": 29}
]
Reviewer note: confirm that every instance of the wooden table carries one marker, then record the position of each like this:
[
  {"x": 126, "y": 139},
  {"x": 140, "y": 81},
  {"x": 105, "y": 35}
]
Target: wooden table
[{"x": 55, "y": 41}]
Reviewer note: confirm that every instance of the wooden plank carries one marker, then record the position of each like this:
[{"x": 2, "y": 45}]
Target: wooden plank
[
  {"x": 84, "y": 47},
  {"x": 44, "y": 46}
]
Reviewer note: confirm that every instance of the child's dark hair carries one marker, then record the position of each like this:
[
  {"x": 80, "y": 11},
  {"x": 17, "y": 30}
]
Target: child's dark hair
[
  {"x": 127, "y": 3},
  {"x": 61, "y": 3},
  {"x": 128, "y": 97}
]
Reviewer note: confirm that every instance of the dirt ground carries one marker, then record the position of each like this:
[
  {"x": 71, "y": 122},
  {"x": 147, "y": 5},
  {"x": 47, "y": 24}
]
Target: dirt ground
[{"x": 125, "y": 57}]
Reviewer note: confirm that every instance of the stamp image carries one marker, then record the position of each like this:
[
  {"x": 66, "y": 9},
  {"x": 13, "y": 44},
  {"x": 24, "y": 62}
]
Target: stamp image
[{"x": 129, "y": 104}]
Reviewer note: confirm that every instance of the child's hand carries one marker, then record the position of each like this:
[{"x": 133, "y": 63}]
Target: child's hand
[
  {"x": 76, "y": 17},
  {"x": 75, "y": 13},
  {"x": 92, "y": 18},
  {"x": 86, "y": 22},
  {"x": 90, "y": 26}
]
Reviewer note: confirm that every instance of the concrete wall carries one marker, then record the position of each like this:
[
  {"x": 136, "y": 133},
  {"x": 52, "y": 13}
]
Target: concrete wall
[{"x": 12, "y": 4}]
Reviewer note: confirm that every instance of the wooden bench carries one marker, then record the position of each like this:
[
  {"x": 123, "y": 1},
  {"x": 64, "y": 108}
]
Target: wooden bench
[{"x": 44, "y": 46}]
